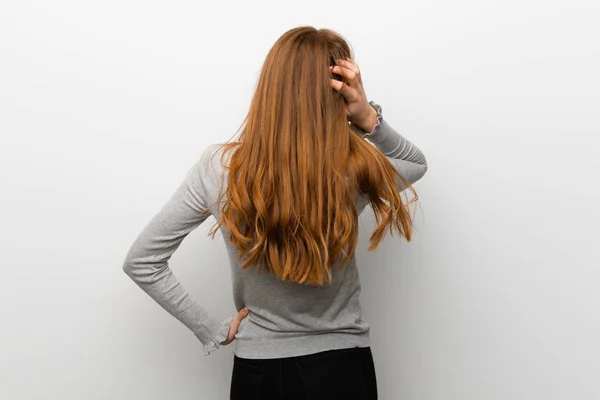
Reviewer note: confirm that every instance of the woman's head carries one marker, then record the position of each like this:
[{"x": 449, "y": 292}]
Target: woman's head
[
  {"x": 297, "y": 167},
  {"x": 295, "y": 79}
]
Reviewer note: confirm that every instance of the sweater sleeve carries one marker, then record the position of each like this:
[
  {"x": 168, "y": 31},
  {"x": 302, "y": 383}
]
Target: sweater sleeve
[
  {"x": 408, "y": 159},
  {"x": 147, "y": 261}
]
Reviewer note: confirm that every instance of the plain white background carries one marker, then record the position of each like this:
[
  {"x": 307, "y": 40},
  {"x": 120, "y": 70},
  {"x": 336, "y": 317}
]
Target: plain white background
[{"x": 104, "y": 106}]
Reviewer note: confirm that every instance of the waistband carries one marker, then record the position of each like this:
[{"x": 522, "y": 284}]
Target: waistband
[{"x": 292, "y": 346}]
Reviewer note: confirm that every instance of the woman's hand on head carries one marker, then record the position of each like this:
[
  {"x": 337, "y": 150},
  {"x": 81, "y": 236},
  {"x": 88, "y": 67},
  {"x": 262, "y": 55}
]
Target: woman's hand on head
[
  {"x": 235, "y": 324},
  {"x": 358, "y": 109}
]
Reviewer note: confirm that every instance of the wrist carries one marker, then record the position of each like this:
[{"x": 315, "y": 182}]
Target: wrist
[{"x": 369, "y": 121}]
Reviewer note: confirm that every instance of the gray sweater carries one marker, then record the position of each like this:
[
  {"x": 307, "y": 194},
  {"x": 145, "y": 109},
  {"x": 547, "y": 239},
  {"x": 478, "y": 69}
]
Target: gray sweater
[{"x": 286, "y": 318}]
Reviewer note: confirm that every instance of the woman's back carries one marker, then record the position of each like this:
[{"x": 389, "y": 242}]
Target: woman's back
[
  {"x": 290, "y": 319},
  {"x": 287, "y": 318}
]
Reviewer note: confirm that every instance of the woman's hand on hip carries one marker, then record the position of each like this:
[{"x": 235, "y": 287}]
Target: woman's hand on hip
[{"x": 235, "y": 324}]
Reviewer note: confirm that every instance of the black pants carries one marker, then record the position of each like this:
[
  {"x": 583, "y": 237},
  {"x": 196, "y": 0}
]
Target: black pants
[{"x": 347, "y": 374}]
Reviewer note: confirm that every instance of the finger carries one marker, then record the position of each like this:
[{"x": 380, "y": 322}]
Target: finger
[
  {"x": 345, "y": 71},
  {"x": 347, "y": 89},
  {"x": 243, "y": 313},
  {"x": 350, "y": 64},
  {"x": 354, "y": 67},
  {"x": 337, "y": 85},
  {"x": 235, "y": 324},
  {"x": 233, "y": 327},
  {"x": 344, "y": 89},
  {"x": 350, "y": 71}
]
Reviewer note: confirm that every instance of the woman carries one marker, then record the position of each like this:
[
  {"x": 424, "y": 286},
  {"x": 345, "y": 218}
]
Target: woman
[{"x": 287, "y": 196}]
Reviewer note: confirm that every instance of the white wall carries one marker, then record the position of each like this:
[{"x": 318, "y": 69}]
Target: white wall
[{"x": 105, "y": 105}]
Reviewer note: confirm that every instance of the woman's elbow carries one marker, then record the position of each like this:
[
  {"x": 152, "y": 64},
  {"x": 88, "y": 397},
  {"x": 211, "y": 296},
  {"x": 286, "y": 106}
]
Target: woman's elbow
[{"x": 128, "y": 267}]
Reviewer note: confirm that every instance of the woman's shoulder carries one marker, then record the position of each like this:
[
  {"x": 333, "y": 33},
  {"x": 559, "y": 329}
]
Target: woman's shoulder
[
  {"x": 215, "y": 156},
  {"x": 213, "y": 162}
]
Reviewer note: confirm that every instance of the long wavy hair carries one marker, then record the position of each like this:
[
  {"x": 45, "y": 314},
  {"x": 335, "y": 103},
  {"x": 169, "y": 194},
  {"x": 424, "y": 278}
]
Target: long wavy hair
[{"x": 297, "y": 168}]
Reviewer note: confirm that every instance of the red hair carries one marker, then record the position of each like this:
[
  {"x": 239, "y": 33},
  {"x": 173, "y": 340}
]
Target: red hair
[{"x": 297, "y": 168}]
